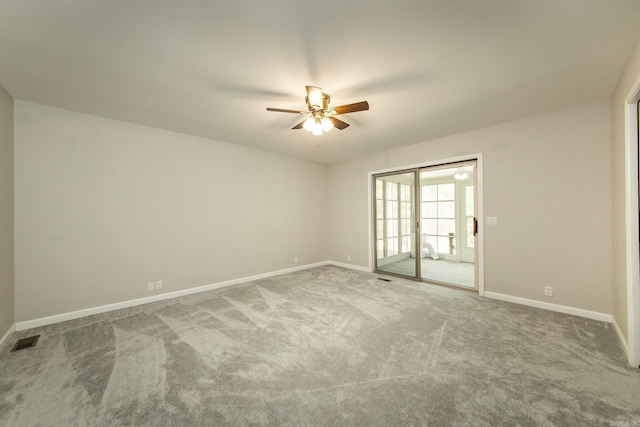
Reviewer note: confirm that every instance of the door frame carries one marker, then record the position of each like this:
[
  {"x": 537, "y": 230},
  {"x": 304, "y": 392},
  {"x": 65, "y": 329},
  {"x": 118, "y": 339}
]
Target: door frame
[
  {"x": 479, "y": 200},
  {"x": 631, "y": 224}
]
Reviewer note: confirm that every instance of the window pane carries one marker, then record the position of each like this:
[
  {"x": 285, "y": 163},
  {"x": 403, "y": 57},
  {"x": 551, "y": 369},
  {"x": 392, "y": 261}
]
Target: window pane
[
  {"x": 392, "y": 191},
  {"x": 446, "y": 209},
  {"x": 405, "y": 192},
  {"x": 392, "y": 209},
  {"x": 380, "y": 249},
  {"x": 392, "y": 246},
  {"x": 392, "y": 228},
  {"x": 405, "y": 226},
  {"x": 446, "y": 226},
  {"x": 429, "y": 193},
  {"x": 404, "y": 244},
  {"x": 379, "y": 209},
  {"x": 379, "y": 188},
  {"x": 430, "y": 210},
  {"x": 406, "y": 210},
  {"x": 469, "y": 201},
  {"x": 446, "y": 191},
  {"x": 430, "y": 226},
  {"x": 379, "y": 229}
]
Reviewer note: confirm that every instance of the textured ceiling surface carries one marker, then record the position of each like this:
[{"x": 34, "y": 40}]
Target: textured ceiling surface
[{"x": 210, "y": 68}]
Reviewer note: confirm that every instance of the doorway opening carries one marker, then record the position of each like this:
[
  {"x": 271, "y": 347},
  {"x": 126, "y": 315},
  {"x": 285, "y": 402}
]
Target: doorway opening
[{"x": 425, "y": 223}]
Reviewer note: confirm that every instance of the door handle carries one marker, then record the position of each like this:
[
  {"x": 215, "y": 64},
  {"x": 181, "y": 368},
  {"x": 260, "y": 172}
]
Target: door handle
[{"x": 475, "y": 226}]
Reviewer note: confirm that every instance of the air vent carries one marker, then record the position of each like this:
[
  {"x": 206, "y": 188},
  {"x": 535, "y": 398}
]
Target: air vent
[
  {"x": 384, "y": 280},
  {"x": 23, "y": 343}
]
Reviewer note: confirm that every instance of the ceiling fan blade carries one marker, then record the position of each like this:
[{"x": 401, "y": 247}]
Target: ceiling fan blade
[
  {"x": 314, "y": 96},
  {"x": 350, "y": 108},
  {"x": 299, "y": 125},
  {"x": 337, "y": 123},
  {"x": 280, "y": 110}
]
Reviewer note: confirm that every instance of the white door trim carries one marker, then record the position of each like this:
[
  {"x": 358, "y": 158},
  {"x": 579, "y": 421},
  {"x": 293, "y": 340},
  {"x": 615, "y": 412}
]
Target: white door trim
[
  {"x": 631, "y": 223},
  {"x": 480, "y": 185}
]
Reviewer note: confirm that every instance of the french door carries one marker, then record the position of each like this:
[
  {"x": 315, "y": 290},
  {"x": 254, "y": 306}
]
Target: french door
[{"x": 425, "y": 224}]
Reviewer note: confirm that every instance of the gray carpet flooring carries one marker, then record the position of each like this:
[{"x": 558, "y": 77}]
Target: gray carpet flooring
[
  {"x": 324, "y": 346},
  {"x": 452, "y": 272}
]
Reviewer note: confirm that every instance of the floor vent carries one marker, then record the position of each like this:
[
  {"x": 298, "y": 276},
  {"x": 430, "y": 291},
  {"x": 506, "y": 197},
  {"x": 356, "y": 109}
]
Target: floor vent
[
  {"x": 384, "y": 280},
  {"x": 23, "y": 343}
]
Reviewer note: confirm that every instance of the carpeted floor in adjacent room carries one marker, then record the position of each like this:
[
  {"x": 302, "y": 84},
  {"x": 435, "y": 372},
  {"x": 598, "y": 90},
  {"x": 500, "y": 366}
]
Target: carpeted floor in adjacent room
[{"x": 324, "y": 346}]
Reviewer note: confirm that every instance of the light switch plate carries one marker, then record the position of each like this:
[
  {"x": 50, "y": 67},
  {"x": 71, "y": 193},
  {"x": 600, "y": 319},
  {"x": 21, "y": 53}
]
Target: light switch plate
[{"x": 492, "y": 220}]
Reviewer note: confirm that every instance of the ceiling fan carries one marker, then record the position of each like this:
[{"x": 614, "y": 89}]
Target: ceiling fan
[{"x": 321, "y": 118}]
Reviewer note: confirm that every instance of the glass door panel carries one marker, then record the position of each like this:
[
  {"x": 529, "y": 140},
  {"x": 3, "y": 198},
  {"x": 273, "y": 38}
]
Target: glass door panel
[
  {"x": 425, "y": 224},
  {"x": 447, "y": 215},
  {"x": 395, "y": 224},
  {"x": 438, "y": 215}
]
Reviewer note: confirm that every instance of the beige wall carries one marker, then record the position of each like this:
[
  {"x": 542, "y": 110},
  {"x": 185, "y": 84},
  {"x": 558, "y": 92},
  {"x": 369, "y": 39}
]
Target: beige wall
[
  {"x": 6, "y": 213},
  {"x": 546, "y": 178},
  {"x": 628, "y": 78},
  {"x": 102, "y": 207}
]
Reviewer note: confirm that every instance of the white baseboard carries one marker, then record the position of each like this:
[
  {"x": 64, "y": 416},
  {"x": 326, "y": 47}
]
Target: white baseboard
[
  {"x": 7, "y": 335},
  {"x": 621, "y": 338},
  {"x": 349, "y": 266},
  {"x": 551, "y": 307},
  {"x": 28, "y": 324}
]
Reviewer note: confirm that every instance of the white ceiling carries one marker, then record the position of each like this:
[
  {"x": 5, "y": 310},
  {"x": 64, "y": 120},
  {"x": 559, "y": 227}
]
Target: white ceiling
[{"x": 210, "y": 68}]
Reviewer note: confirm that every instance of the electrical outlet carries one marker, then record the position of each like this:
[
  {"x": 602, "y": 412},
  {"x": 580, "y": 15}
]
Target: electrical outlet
[
  {"x": 296, "y": 260},
  {"x": 151, "y": 286},
  {"x": 348, "y": 257},
  {"x": 159, "y": 284},
  {"x": 548, "y": 291}
]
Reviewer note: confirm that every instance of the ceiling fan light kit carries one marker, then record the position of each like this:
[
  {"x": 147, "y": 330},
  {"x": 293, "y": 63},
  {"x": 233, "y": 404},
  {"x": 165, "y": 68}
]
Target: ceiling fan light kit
[
  {"x": 321, "y": 118},
  {"x": 317, "y": 125}
]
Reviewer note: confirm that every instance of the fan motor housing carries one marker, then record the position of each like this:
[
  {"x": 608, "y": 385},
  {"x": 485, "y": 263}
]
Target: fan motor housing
[{"x": 325, "y": 103}]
